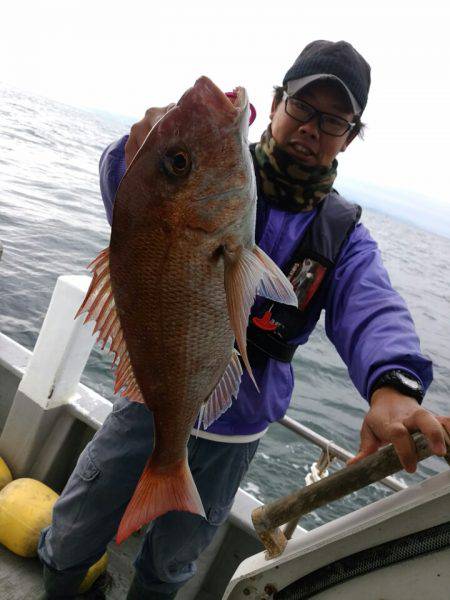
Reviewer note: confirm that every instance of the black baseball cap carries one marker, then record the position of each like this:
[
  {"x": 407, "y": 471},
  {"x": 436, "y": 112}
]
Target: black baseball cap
[{"x": 338, "y": 61}]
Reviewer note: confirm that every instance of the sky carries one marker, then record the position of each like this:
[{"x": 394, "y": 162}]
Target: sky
[{"x": 123, "y": 57}]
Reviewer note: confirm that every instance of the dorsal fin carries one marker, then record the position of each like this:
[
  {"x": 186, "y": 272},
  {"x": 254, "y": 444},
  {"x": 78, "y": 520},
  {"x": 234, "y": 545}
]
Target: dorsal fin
[{"x": 100, "y": 307}]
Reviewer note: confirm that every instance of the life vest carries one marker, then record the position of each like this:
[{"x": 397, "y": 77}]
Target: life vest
[{"x": 273, "y": 325}]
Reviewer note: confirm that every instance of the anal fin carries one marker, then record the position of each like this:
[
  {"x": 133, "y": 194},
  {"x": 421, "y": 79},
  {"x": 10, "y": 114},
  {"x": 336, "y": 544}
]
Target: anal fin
[{"x": 224, "y": 392}]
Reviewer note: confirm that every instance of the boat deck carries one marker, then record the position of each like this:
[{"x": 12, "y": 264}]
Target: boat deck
[{"x": 21, "y": 578}]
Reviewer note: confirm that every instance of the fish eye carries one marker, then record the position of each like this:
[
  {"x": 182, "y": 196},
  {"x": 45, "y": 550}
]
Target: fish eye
[{"x": 177, "y": 162}]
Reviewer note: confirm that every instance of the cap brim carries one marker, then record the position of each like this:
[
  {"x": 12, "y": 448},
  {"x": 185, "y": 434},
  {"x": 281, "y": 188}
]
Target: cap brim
[{"x": 295, "y": 85}]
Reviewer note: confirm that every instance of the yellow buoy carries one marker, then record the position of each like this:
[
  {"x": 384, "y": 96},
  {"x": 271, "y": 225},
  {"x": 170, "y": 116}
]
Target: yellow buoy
[
  {"x": 5, "y": 474},
  {"x": 94, "y": 573},
  {"x": 25, "y": 509}
]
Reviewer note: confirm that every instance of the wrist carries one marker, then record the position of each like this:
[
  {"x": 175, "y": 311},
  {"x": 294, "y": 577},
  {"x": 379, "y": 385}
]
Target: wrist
[{"x": 389, "y": 396}]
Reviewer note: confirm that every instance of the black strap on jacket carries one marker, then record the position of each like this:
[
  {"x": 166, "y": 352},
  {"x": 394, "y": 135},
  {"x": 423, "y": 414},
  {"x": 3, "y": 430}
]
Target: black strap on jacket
[{"x": 274, "y": 324}]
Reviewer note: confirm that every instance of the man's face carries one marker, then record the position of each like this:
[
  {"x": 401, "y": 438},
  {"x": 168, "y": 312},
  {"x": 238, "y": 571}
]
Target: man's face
[{"x": 304, "y": 141}]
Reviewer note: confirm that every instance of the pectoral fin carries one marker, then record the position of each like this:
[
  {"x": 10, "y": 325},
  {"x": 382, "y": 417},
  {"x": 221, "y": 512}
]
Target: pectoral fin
[{"x": 248, "y": 273}]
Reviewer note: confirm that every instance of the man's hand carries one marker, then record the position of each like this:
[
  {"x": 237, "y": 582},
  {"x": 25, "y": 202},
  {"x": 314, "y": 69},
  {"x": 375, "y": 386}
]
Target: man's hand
[
  {"x": 391, "y": 419},
  {"x": 140, "y": 130}
]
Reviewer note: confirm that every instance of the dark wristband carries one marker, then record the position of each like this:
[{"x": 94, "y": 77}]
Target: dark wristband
[{"x": 401, "y": 381}]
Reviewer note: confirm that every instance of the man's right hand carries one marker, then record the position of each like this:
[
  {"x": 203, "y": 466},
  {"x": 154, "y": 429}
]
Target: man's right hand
[
  {"x": 140, "y": 130},
  {"x": 392, "y": 418}
]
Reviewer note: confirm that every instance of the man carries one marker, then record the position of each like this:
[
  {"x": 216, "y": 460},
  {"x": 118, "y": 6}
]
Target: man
[{"x": 315, "y": 115}]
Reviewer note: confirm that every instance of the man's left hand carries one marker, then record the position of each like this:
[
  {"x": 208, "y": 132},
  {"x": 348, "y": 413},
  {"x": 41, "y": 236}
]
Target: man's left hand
[{"x": 392, "y": 418}]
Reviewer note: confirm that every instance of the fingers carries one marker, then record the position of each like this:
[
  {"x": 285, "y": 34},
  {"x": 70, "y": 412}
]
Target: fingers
[
  {"x": 131, "y": 148},
  {"x": 445, "y": 424},
  {"x": 141, "y": 129},
  {"x": 432, "y": 427},
  {"x": 392, "y": 418},
  {"x": 152, "y": 115},
  {"x": 435, "y": 429},
  {"x": 404, "y": 446},
  {"x": 138, "y": 133},
  {"x": 369, "y": 444},
  {"x": 398, "y": 436}
]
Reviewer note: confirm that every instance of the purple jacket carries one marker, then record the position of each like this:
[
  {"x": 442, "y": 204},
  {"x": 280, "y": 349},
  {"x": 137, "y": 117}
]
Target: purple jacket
[{"x": 366, "y": 319}]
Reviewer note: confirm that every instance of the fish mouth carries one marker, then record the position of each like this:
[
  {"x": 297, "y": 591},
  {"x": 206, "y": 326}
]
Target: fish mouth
[
  {"x": 230, "y": 107},
  {"x": 232, "y": 103},
  {"x": 238, "y": 98}
]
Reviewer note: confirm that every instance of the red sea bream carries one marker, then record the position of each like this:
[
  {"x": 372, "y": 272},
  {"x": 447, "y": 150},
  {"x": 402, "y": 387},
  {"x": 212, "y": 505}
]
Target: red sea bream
[{"x": 174, "y": 289}]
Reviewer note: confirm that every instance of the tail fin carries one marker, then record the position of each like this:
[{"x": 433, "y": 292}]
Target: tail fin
[{"x": 159, "y": 492}]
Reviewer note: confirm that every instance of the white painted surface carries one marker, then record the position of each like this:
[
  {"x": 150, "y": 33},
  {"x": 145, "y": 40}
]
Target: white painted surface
[
  {"x": 13, "y": 356},
  {"x": 89, "y": 406},
  {"x": 416, "y": 508},
  {"x": 423, "y": 578},
  {"x": 62, "y": 348}
]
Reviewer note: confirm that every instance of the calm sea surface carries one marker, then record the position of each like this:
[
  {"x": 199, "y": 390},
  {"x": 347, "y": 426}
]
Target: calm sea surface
[{"x": 52, "y": 223}]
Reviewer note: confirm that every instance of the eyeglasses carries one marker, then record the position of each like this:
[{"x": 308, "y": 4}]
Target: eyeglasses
[{"x": 303, "y": 112}]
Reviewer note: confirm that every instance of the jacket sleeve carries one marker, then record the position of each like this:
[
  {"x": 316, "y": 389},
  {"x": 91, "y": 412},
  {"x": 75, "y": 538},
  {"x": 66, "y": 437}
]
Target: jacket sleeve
[
  {"x": 112, "y": 169},
  {"x": 367, "y": 320}
]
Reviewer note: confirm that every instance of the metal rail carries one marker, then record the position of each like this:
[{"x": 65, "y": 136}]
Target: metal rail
[{"x": 332, "y": 449}]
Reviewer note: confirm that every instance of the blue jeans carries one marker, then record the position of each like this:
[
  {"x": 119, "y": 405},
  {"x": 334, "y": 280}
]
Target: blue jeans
[{"x": 88, "y": 513}]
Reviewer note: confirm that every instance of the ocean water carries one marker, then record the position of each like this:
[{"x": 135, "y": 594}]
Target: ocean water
[{"x": 52, "y": 223}]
